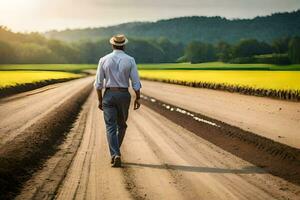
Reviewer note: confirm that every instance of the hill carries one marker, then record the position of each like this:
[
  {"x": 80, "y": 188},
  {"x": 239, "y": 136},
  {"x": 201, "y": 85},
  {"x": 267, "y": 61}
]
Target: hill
[{"x": 186, "y": 29}]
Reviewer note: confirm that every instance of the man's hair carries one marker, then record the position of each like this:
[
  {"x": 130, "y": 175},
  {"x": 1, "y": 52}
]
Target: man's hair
[{"x": 118, "y": 47}]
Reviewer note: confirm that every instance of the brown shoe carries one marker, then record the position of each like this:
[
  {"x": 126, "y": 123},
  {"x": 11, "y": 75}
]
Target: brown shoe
[
  {"x": 117, "y": 162},
  {"x": 112, "y": 160}
]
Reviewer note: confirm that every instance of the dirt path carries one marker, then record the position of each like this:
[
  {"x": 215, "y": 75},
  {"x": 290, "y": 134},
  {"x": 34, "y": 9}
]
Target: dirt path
[
  {"x": 18, "y": 112},
  {"x": 274, "y": 119},
  {"x": 90, "y": 175},
  {"x": 163, "y": 161}
]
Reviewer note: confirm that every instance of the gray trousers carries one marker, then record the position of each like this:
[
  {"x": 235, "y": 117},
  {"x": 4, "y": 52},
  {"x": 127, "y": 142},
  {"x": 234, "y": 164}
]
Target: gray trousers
[{"x": 115, "y": 108}]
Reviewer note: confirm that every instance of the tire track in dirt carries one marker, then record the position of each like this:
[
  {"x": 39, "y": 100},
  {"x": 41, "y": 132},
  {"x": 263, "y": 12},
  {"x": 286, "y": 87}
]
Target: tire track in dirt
[
  {"x": 90, "y": 175},
  {"x": 81, "y": 163},
  {"x": 45, "y": 182},
  {"x": 180, "y": 149},
  {"x": 142, "y": 169}
]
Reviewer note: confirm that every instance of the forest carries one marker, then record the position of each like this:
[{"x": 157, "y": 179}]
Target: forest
[
  {"x": 281, "y": 51},
  {"x": 36, "y": 48},
  {"x": 187, "y": 29}
]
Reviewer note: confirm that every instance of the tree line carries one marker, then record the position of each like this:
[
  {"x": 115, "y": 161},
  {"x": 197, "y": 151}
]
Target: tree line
[
  {"x": 36, "y": 48},
  {"x": 281, "y": 51},
  {"x": 204, "y": 29}
]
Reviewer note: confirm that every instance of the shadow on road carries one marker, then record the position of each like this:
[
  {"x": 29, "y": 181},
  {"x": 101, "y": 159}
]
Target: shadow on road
[{"x": 246, "y": 170}]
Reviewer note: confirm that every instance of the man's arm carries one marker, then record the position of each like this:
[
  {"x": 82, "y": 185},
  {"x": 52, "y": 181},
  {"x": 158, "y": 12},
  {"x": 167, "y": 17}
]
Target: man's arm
[
  {"x": 99, "y": 93},
  {"x": 136, "y": 84},
  {"x": 98, "y": 84}
]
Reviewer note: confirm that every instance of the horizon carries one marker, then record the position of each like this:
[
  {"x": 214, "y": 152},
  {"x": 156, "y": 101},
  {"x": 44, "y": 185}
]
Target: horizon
[{"x": 43, "y": 15}]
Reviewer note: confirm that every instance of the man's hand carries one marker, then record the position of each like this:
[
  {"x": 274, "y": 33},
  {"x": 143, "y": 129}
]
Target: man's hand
[
  {"x": 99, "y": 93},
  {"x": 137, "y": 104}
]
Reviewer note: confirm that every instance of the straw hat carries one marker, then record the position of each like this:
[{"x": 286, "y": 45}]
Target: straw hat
[{"x": 118, "y": 40}]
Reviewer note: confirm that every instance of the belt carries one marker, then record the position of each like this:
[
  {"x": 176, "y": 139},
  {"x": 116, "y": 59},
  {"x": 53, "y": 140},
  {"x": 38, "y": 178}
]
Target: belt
[{"x": 117, "y": 89}]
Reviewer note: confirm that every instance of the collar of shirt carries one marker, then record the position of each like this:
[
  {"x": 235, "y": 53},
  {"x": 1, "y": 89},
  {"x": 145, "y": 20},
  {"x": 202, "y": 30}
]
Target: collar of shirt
[{"x": 118, "y": 51}]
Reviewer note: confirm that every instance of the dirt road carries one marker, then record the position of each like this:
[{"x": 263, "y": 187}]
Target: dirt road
[
  {"x": 161, "y": 161},
  {"x": 274, "y": 119}
]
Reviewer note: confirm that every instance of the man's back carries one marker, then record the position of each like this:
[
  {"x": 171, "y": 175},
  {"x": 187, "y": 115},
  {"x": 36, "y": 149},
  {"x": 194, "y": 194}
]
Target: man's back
[{"x": 117, "y": 68}]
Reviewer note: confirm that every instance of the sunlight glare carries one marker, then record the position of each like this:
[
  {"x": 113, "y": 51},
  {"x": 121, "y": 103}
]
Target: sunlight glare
[{"x": 18, "y": 4}]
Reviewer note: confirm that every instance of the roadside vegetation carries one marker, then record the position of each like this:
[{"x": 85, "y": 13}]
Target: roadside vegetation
[
  {"x": 21, "y": 78},
  {"x": 15, "y": 78},
  {"x": 218, "y": 66},
  {"x": 278, "y": 84},
  {"x": 280, "y": 81},
  {"x": 74, "y": 68}
]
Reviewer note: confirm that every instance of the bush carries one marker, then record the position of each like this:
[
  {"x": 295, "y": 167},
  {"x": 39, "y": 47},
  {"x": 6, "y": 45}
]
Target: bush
[
  {"x": 198, "y": 52},
  {"x": 251, "y": 47},
  {"x": 7, "y": 52},
  {"x": 277, "y": 59},
  {"x": 294, "y": 50},
  {"x": 182, "y": 59},
  {"x": 243, "y": 60}
]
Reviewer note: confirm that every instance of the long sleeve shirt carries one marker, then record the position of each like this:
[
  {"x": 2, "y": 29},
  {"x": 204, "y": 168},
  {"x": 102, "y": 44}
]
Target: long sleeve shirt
[{"x": 115, "y": 70}]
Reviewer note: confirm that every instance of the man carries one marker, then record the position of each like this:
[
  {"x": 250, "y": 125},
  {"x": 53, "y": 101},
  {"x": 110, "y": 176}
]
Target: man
[{"x": 116, "y": 69}]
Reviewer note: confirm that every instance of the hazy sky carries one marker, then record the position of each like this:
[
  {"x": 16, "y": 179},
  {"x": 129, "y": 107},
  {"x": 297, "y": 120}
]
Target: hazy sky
[{"x": 42, "y": 15}]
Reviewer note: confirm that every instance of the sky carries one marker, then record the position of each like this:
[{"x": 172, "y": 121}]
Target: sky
[{"x": 44, "y": 15}]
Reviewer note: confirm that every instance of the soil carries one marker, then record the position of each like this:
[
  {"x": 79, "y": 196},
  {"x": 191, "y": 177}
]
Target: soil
[
  {"x": 161, "y": 160},
  {"x": 165, "y": 153},
  {"x": 277, "y": 120},
  {"x": 274, "y": 157}
]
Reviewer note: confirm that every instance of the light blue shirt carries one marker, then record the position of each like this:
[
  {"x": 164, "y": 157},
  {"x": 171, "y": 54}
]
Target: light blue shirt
[{"x": 115, "y": 70}]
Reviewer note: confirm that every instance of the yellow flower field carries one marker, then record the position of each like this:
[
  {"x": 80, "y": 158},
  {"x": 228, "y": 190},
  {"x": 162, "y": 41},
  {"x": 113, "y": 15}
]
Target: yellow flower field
[
  {"x": 13, "y": 78},
  {"x": 278, "y": 80}
]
